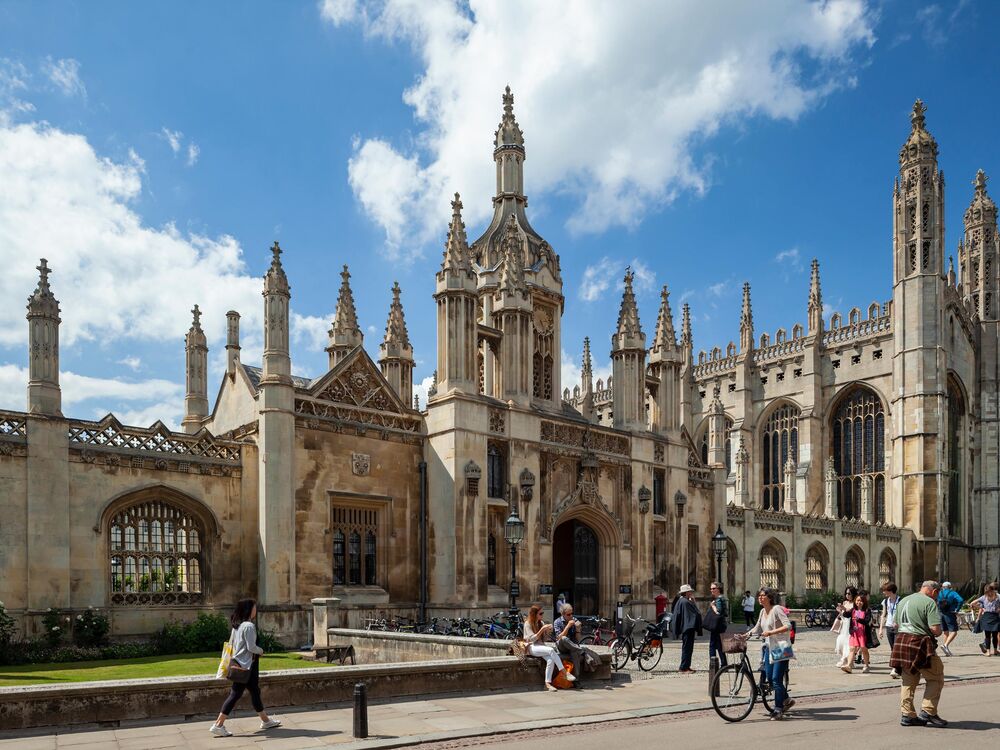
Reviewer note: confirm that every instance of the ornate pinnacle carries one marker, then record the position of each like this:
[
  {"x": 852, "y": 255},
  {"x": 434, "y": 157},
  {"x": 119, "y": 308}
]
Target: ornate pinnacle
[
  {"x": 395, "y": 327},
  {"x": 665, "y": 334},
  {"x": 509, "y": 132},
  {"x": 980, "y": 182},
  {"x": 815, "y": 294},
  {"x": 628, "y": 313},
  {"x": 917, "y": 117},
  {"x": 275, "y": 279},
  {"x": 686, "y": 338},
  {"x": 43, "y": 277},
  {"x": 345, "y": 318},
  {"x": 512, "y": 273},
  {"x": 716, "y": 406},
  {"x": 196, "y": 318},
  {"x": 588, "y": 365},
  {"x": 456, "y": 246},
  {"x": 746, "y": 316},
  {"x": 42, "y": 301},
  {"x": 742, "y": 456}
]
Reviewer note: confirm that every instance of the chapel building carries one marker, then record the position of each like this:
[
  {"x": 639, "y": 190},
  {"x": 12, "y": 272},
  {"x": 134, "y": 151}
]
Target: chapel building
[{"x": 856, "y": 450}]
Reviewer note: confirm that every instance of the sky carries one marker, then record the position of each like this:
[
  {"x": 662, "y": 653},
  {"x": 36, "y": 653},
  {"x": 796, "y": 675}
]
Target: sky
[{"x": 152, "y": 152}]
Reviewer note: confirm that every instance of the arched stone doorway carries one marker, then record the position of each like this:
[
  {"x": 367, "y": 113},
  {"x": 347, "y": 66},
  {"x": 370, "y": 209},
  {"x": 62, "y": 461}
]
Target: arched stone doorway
[{"x": 576, "y": 556}]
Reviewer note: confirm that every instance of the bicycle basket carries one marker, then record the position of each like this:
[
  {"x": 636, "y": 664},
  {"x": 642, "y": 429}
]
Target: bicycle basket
[{"x": 734, "y": 645}]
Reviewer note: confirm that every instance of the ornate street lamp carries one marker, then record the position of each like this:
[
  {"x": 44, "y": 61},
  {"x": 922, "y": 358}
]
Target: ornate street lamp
[
  {"x": 719, "y": 543},
  {"x": 513, "y": 533}
]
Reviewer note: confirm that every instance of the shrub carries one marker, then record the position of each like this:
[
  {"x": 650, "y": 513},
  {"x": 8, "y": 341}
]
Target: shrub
[
  {"x": 268, "y": 641},
  {"x": 55, "y": 626},
  {"x": 91, "y": 629},
  {"x": 207, "y": 633},
  {"x": 7, "y": 628}
]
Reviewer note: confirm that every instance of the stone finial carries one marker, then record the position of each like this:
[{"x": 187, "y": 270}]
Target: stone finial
[
  {"x": 232, "y": 342},
  {"x": 980, "y": 182},
  {"x": 345, "y": 319},
  {"x": 456, "y": 246},
  {"x": 815, "y": 308},
  {"x": 588, "y": 365},
  {"x": 275, "y": 280},
  {"x": 195, "y": 318},
  {"x": 395, "y": 326},
  {"x": 686, "y": 338},
  {"x": 917, "y": 116},
  {"x": 508, "y": 133},
  {"x": 628, "y": 312},
  {"x": 196, "y": 375},
  {"x": 433, "y": 389},
  {"x": 746, "y": 321},
  {"x": 44, "y": 394},
  {"x": 664, "y": 335},
  {"x": 920, "y": 143},
  {"x": 42, "y": 302},
  {"x": 951, "y": 271}
]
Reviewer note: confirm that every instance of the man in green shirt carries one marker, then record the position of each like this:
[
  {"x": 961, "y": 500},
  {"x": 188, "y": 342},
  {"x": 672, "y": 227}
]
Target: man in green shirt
[{"x": 917, "y": 618}]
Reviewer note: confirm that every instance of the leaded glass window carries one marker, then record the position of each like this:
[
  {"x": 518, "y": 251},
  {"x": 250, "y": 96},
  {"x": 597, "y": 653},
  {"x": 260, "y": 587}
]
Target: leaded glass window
[
  {"x": 854, "y": 569},
  {"x": 728, "y": 444},
  {"x": 779, "y": 442},
  {"x": 140, "y": 573},
  {"x": 772, "y": 567},
  {"x": 956, "y": 426},
  {"x": 356, "y": 553},
  {"x": 491, "y": 560},
  {"x": 817, "y": 576},
  {"x": 858, "y": 450},
  {"x": 886, "y": 568},
  {"x": 496, "y": 472}
]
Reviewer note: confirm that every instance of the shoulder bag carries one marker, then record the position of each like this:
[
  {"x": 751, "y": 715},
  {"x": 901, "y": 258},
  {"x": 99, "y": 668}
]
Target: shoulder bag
[
  {"x": 782, "y": 652},
  {"x": 235, "y": 672}
]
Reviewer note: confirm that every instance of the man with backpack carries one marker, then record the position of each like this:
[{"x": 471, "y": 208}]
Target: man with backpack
[{"x": 950, "y": 602}]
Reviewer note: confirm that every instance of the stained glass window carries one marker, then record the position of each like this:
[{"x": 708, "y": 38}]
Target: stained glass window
[
  {"x": 858, "y": 449},
  {"x": 779, "y": 443}
]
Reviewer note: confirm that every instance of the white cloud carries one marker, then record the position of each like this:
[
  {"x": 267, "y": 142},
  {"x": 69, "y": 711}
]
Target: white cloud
[
  {"x": 311, "y": 331},
  {"x": 193, "y": 152},
  {"x": 65, "y": 76},
  {"x": 613, "y": 104},
  {"x": 597, "y": 279},
  {"x": 420, "y": 390},
  {"x": 133, "y": 363},
  {"x": 790, "y": 261},
  {"x": 645, "y": 277},
  {"x": 571, "y": 370},
  {"x": 173, "y": 138},
  {"x": 14, "y": 79}
]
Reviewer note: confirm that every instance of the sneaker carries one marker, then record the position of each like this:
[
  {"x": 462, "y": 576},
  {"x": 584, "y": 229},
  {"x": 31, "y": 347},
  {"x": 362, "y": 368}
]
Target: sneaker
[
  {"x": 269, "y": 724},
  {"x": 550, "y": 686},
  {"x": 932, "y": 719},
  {"x": 776, "y": 716},
  {"x": 788, "y": 706},
  {"x": 866, "y": 669},
  {"x": 218, "y": 731},
  {"x": 983, "y": 648},
  {"x": 847, "y": 669},
  {"x": 894, "y": 674},
  {"x": 947, "y": 651},
  {"x": 571, "y": 677},
  {"x": 912, "y": 721}
]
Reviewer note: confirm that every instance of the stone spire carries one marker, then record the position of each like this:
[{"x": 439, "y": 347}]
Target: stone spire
[
  {"x": 508, "y": 152},
  {"x": 746, "y": 322},
  {"x": 508, "y": 133},
  {"x": 456, "y": 246},
  {"x": 44, "y": 394},
  {"x": 277, "y": 293},
  {"x": 664, "y": 336},
  {"x": 628, "y": 364},
  {"x": 686, "y": 338},
  {"x": 232, "y": 342},
  {"x": 345, "y": 335},
  {"x": 196, "y": 375},
  {"x": 587, "y": 382},
  {"x": 815, "y": 312},
  {"x": 396, "y": 353},
  {"x": 920, "y": 143}
]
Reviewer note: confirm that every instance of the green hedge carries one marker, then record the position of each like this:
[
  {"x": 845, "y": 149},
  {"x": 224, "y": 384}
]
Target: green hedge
[{"x": 206, "y": 633}]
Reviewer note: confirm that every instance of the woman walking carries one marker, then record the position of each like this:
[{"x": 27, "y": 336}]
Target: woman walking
[
  {"x": 988, "y": 606},
  {"x": 246, "y": 653},
  {"x": 717, "y": 623},
  {"x": 859, "y": 625},
  {"x": 771, "y": 623},
  {"x": 535, "y": 633},
  {"x": 841, "y": 627}
]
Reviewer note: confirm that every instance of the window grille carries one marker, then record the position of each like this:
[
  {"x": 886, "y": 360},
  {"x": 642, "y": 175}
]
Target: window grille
[
  {"x": 772, "y": 568},
  {"x": 886, "y": 568},
  {"x": 779, "y": 443},
  {"x": 853, "y": 567},
  {"x": 355, "y": 546},
  {"x": 816, "y": 570},
  {"x": 491, "y": 560},
  {"x": 496, "y": 473},
  {"x": 858, "y": 449},
  {"x": 155, "y": 555}
]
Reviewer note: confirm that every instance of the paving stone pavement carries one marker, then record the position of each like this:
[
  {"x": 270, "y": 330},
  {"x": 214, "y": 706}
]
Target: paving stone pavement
[{"x": 399, "y": 722}]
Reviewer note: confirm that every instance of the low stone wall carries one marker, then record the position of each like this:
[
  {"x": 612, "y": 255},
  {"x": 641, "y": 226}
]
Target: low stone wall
[
  {"x": 378, "y": 647},
  {"x": 115, "y": 701}
]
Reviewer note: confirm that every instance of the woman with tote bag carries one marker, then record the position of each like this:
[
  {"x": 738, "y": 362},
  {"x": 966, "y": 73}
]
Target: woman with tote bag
[{"x": 243, "y": 668}]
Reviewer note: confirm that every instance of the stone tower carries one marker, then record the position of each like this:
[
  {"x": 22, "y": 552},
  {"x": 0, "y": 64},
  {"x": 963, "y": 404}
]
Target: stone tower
[
  {"x": 977, "y": 254},
  {"x": 345, "y": 335},
  {"x": 44, "y": 394},
  {"x": 455, "y": 295},
  {"x": 512, "y": 315},
  {"x": 665, "y": 365},
  {"x": 628, "y": 364},
  {"x": 919, "y": 368},
  {"x": 196, "y": 375},
  {"x": 276, "y": 445},
  {"x": 396, "y": 353}
]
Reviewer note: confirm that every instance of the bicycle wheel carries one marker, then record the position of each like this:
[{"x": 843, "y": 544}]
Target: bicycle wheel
[
  {"x": 733, "y": 693},
  {"x": 621, "y": 649},
  {"x": 587, "y": 640},
  {"x": 649, "y": 655}
]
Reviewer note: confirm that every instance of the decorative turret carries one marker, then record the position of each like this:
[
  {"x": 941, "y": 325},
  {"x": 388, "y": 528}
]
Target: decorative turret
[
  {"x": 587, "y": 383},
  {"x": 979, "y": 251},
  {"x": 746, "y": 322},
  {"x": 196, "y": 375},
  {"x": 508, "y": 152},
  {"x": 345, "y": 334},
  {"x": 277, "y": 293},
  {"x": 716, "y": 429},
  {"x": 512, "y": 315},
  {"x": 232, "y": 342},
  {"x": 44, "y": 394},
  {"x": 396, "y": 353},
  {"x": 457, "y": 313},
  {"x": 665, "y": 361},
  {"x": 815, "y": 312},
  {"x": 664, "y": 337},
  {"x": 628, "y": 362}
]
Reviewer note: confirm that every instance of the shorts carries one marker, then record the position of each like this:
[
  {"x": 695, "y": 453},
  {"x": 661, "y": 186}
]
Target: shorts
[{"x": 949, "y": 622}]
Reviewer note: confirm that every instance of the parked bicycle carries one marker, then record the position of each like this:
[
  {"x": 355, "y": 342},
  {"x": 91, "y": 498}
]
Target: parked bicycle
[
  {"x": 820, "y": 618},
  {"x": 600, "y": 631},
  {"x": 647, "y": 653},
  {"x": 735, "y": 689}
]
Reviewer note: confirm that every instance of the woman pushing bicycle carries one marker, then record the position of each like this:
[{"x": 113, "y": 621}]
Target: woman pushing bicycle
[{"x": 771, "y": 624}]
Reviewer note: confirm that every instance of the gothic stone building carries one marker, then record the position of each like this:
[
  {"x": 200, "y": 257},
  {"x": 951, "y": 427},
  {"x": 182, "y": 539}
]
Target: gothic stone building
[{"x": 853, "y": 451}]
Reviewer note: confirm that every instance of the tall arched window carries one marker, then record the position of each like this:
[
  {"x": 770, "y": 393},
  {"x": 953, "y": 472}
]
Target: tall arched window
[
  {"x": 886, "y": 568},
  {"x": 955, "y": 447},
  {"x": 491, "y": 560},
  {"x": 854, "y": 567},
  {"x": 728, "y": 444},
  {"x": 772, "y": 566},
  {"x": 858, "y": 450},
  {"x": 779, "y": 441},
  {"x": 817, "y": 576},
  {"x": 496, "y": 471},
  {"x": 138, "y": 536}
]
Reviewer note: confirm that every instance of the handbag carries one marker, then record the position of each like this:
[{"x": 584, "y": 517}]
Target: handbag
[
  {"x": 978, "y": 627},
  {"x": 782, "y": 652},
  {"x": 710, "y": 621},
  {"x": 226, "y": 658},
  {"x": 874, "y": 642}
]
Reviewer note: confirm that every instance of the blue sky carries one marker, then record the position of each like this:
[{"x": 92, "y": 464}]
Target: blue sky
[{"x": 152, "y": 152}]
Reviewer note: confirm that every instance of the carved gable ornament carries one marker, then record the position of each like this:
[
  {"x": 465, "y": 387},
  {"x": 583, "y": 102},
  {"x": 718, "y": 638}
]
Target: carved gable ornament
[{"x": 356, "y": 381}]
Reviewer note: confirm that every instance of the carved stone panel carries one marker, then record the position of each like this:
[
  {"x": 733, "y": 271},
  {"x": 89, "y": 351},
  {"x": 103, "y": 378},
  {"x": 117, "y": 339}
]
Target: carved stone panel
[{"x": 361, "y": 464}]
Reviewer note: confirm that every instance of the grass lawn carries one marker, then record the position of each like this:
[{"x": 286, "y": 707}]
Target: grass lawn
[{"x": 130, "y": 669}]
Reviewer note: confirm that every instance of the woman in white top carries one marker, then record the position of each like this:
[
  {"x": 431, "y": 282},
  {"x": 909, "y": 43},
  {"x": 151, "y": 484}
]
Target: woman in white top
[
  {"x": 247, "y": 654},
  {"x": 772, "y": 623},
  {"x": 842, "y": 626},
  {"x": 535, "y": 633}
]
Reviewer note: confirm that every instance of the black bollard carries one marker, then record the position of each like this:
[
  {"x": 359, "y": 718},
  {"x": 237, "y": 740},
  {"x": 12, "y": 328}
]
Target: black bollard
[
  {"x": 713, "y": 669},
  {"x": 360, "y": 711}
]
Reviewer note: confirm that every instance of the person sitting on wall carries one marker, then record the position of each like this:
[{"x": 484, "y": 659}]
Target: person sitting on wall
[{"x": 566, "y": 634}]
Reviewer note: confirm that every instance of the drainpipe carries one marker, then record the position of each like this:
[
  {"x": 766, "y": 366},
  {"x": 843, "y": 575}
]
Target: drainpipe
[{"x": 422, "y": 466}]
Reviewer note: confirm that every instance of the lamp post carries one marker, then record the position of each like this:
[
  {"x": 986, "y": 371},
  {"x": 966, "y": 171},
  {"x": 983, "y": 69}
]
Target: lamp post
[
  {"x": 719, "y": 540},
  {"x": 513, "y": 533}
]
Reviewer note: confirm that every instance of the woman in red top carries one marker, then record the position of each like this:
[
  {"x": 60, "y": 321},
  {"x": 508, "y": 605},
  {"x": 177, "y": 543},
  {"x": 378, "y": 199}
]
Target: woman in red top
[{"x": 860, "y": 624}]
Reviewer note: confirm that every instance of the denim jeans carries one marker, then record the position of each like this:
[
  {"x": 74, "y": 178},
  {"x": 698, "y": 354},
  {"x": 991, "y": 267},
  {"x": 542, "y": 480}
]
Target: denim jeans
[
  {"x": 776, "y": 674},
  {"x": 715, "y": 647}
]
